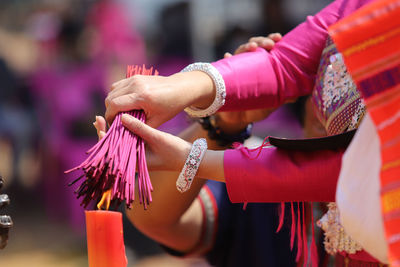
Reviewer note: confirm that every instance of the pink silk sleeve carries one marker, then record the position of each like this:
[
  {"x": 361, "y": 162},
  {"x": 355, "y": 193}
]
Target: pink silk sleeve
[
  {"x": 279, "y": 175},
  {"x": 263, "y": 80}
]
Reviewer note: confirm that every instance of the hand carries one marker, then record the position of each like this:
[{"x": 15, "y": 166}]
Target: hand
[
  {"x": 166, "y": 152},
  {"x": 163, "y": 151},
  {"x": 160, "y": 97},
  {"x": 173, "y": 218},
  {"x": 266, "y": 42},
  {"x": 100, "y": 125}
]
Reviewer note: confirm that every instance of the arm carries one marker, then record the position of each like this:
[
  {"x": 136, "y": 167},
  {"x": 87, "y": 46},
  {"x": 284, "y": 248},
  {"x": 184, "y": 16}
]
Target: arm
[
  {"x": 173, "y": 219},
  {"x": 275, "y": 175},
  {"x": 285, "y": 73}
]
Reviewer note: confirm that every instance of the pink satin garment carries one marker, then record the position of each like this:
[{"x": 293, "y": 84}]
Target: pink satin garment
[{"x": 278, "y": 175}]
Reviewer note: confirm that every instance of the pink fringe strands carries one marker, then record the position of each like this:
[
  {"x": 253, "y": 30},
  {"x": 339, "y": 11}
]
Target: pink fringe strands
[{"x": 112, "y": 162}]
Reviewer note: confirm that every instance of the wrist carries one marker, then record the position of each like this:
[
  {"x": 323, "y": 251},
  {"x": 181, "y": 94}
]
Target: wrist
[
  {"x": 183, "y": 153},
  {"x": 191, "y": 165},
  {"x": 218, "y": 90},
  {"x": 196, "y": 88}
]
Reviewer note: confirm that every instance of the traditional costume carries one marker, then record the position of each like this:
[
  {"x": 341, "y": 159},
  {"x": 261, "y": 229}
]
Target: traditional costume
[{"x": 305, "y": 61}]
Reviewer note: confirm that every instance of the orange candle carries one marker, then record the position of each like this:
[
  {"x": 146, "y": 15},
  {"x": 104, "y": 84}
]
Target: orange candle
[{"x": 105, "y": 239}]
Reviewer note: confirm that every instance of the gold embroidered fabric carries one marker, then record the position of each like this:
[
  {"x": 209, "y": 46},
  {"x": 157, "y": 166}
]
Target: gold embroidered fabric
[
  {"x": 339, "y": 108},
  {"x": 335, "y": 97},
  {"x": 336, "y": 239}
]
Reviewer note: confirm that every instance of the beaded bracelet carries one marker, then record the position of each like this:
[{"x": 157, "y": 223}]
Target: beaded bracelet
[
  {"x": 219, "y": 83},
  {"x": 191, "y": 165},
  {"x": 223, "y": 139}
]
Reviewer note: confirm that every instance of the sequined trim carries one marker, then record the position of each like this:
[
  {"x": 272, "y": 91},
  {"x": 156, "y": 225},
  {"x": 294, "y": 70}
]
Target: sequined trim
[
  {"x": 335, "y": 96},
  {"x": 336, "y": 239}
]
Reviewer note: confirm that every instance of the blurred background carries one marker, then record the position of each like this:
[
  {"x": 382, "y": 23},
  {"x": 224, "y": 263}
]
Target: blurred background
[{"x": 57, "y": 61}]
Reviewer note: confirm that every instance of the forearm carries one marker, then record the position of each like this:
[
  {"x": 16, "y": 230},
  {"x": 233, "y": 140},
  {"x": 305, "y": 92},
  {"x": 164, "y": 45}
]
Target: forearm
[
  {"x": 164, "y": 220},
  {"x": 173, "y": 219}
]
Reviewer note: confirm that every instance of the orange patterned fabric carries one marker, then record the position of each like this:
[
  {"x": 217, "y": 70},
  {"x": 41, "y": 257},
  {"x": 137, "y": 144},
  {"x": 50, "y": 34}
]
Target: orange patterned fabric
[{"x": 369, "y": 40}]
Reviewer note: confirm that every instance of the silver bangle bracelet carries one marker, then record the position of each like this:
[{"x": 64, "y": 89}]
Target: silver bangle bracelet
[
  {"x": 189, "y": 170},
  {"x": 219, "y": 83}
]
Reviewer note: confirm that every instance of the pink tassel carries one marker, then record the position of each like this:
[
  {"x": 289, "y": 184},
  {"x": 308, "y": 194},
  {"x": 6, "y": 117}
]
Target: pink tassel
[
  {"x": 111, "y": 163},
  {"x": 281, "y": 217},
  {"x": 299, "y": 239},
  {"x": 293, "y": 228},
  {"x": 305, "y": 245},
  {"x": 246, "y": 151},
  {"x": 314, "y": 252},
  {"x": 302, "y": 246}
]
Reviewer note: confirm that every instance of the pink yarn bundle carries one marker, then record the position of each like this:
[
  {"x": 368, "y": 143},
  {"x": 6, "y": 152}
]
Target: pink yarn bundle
[{"x": 111, "y": 164}]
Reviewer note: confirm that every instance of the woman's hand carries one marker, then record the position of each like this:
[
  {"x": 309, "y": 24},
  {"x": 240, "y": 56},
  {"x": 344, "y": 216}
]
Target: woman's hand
[
  {"x": 173, "y": 219},
  {"x": 101, "y": 127},
  {"x": 160, "y": 97},
  {"x": 164, "y": 151}
]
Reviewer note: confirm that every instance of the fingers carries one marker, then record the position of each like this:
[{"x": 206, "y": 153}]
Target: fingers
[
  {"x": 118, "y": 89},
  {"x": 247, "y": 47},
  {"x": 264, "y": 42},
  {"x": 122, "y": 87},
  {"x": 100, "y": 125},
  {"x": 141, "y": 129},
  {"x": 227, "y": 54},
  {"x": 259, "y": 41},
  {"x": 118, "y": 84},
  {"x": 276, "y": 37},
  {"x": 124, "y": 96},
  {"x": 101, "y": 122},
  {"x": 119, "y": 104}
]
